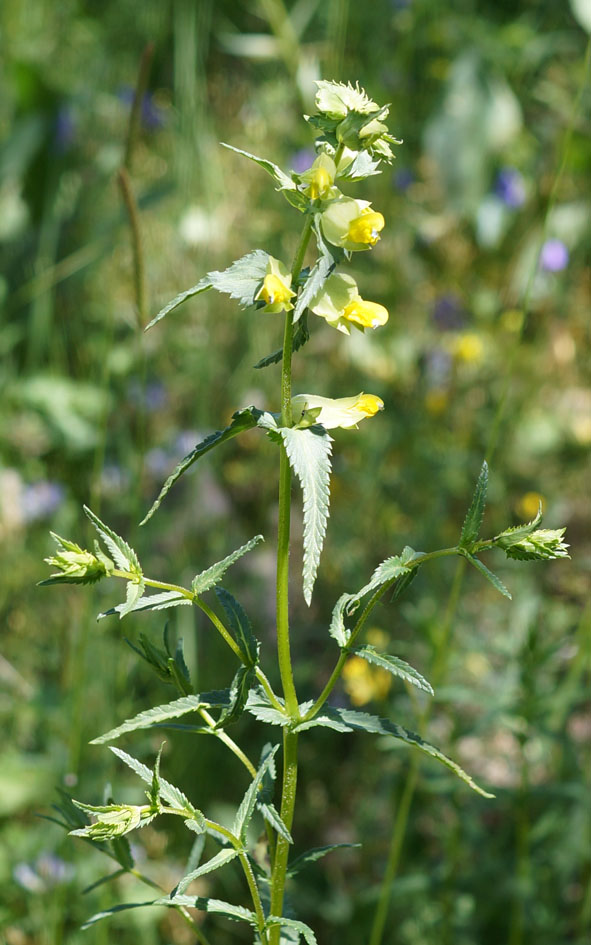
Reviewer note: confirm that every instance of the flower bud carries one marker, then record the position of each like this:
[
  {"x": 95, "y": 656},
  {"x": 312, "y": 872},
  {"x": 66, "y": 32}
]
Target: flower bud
[
  {"x": 113, "y": 820},
  {"x": 75, "y": 565},
  {"x": 319, "y": 179}
]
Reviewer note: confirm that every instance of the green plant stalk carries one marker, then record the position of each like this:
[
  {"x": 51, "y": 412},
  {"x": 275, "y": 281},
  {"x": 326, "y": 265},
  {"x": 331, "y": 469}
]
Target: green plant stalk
[
  {"x": 222, "y": 630},
  {"x": 288, "y": 798}
]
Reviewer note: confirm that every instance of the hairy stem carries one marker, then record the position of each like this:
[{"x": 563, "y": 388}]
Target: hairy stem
[{"x": 288, "y": 797}]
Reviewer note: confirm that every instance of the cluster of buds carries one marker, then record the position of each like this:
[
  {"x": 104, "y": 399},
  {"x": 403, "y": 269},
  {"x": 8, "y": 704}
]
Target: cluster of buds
[
  {"x": 75, "y": 565},
  {"x": 114, "y": 820}
]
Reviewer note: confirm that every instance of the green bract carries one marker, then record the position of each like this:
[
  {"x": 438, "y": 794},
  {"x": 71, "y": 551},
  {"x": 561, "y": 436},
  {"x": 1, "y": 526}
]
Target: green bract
[{"x": 75, "y": 565}]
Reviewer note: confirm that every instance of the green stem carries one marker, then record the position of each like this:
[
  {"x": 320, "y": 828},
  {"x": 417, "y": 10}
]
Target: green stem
[
  {"x": 255, "y": 895},
  {"x": 288, "y": 797}
]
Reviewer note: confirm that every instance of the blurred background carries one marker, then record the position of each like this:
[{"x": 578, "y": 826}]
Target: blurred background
[{"x": 482, "y": 267}]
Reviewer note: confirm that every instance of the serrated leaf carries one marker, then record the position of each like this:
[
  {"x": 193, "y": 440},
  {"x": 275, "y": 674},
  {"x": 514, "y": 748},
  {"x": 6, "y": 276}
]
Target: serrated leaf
[
  {"x": 196, "y": 852},
  {"x": 300, "y": 927},
  {"x": 362, "y": 166},
  {"x": 517, "y": 532},
  {"x": 134, "y": 592},
  {"x": 248, "y": 803},
  {"x": 242, "y": 420},
  {"x": 207, "y": 579},
  {"x": 272, "y": 817},
  {"x": 300, "y": 336},
  {"x": 393, "y": 665},
  {"x": 280, "y": 177},
  {"x": 311, "y": 856},
  {"x": 242, "y": 280},
  {"x": 151, "y": 602},
  {"x": 106, "y": 913},
  {"x": 217, "y": 861},
  {"x": 343, "y": 720},
  {"x": 240, "y": 625},
  {"x": 168, "y": 791},
  {"x": 201, "y": 286},
  {"x": 216, "y": 906},
  {"x": 124, "y": 556},
  {"x": 261, "y": 708},
  {"x": 489, "y": 575},
  {"x": 161, "y": 713},
  {"x": 242, "y": 683},
  {"x": 309, "y": 453},
  {"x": 475, "y": 513},
  {"x": 397, "y": 566}
]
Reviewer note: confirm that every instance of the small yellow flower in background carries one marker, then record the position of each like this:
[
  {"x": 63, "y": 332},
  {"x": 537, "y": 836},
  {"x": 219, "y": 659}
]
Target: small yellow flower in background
[
  {"x": 352, "y": 224},
  {"x": 363, "y": 682},
  {"x": 319, "y": 179},
  {"x": 340, "y": 304},
  {"x": 528, "y": 505},
  {"x": 469, "y": 348},
  {"x": 512, "y": 320},
  {"x": 377, "y": 638},
  {"x": 344, "y": 412},
  {"x": 276, "y": 289}
]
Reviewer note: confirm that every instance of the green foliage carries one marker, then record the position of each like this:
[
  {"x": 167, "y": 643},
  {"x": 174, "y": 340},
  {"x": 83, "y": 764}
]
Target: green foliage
[
  {"x": 244, "y": 680},
  {"x": 217, "y": 861},
  {"x": 285, "y": 182},
  {"x": 488, "y": 574},
  {"x": 300, "y": 927},
  {"x": 475, "y": 514},
  {"x": 312, "y": 856},
  {"x": 248, "y": 803},
  {"x": 309, "y": 454},
  {"x": 349, "y": 720},
  {"x": 240, "y": 625},
  {"x": 163, "y": 713},
  {"x": 168, "y": 792},
  {"x": 242, "y": 420},
  {"x": 207, "y": 579},
  {"x": 75, "y": 565},
  {"x": 394, "y": 665}
]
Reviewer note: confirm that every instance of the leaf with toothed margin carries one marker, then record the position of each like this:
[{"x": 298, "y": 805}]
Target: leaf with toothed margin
[
  {"x": 217, "y": 906},
  {"x": 489, "y": 575},
  {"x": 280, "y": 177},
  {"x": 309, "y": 454},
  {"x": 311, "y": 856},
  {"x": 248, "y": 803},
  {"x": 202, "y": 286},
  {"x": 349, "y": 720},
  {"x": 294, "y": 924},
  {"x": 211, "y": 576},
  {"x": 475, "y": 513},
  {"x": 242, "y": 420},
  {"x": 168, "y": 791},
  {"x": 393, "y": 665},
  {"x": 219, "y": 699},
  {"x": 217, "y": 861}
]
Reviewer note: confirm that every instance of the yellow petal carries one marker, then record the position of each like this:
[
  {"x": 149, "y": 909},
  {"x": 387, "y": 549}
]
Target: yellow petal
[
  {"x": 369, "y": 404},
  {"x": 366, "y": 314},
  {"x": 366, "y": 227},
  {"x": 275, "y": 290}
]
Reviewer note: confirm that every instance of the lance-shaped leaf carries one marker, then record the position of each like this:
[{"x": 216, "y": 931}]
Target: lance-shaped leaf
[
  {"x": 242, "y": 683},
  {"x": 265, "y": 796},
  {"x": 309, "y": 453},
  {"x": 311, "y": 856},
  {"x": 173, "y": 795},
  {"x": 202, "y": 286},
  {"x": 248, "y": 803},
  {"x": 125, "y": 558},
  {"x": 150, "y": 602},
  {"x": 240, "y": 281},
  {"x": 294, "y": 924},
  {"x": 242, "y": 420},
  {"x": 240, "y": 625},
  {"x": 394, "y": 567},
  {"x": 213, "y": 575},
  {"x": 107, "y": 913},
  {"x": 280, "y": 177},
  {"x": 475, "y": 513},
  {"x": 219, "y": 699},
  {"x": 217, "y": 906},
  {"x": 489, "y": 575},
  {"x": 517, "y": 532},
  {"x": 217, "y": 861},
  {"x": 349, "y": 720},
  {"x": 394, "y": 665}
]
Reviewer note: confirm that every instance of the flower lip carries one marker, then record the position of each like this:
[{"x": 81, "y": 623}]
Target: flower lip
[
  {"x": 366, "y": 228},
  {"x": 344, "y": 412},
  {"x": 274, "y": 290},
  {"x": 366, "y": 314}
]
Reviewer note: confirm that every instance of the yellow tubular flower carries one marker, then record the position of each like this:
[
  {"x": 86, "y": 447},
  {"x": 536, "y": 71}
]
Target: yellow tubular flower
[
  {"x": 366, "y": 314},
  {"x": 319, "y": 179},
  {"x": 276, "y": 289},
  {"x": 344, "y": 412},
  {"x": 366, "y": 228}
]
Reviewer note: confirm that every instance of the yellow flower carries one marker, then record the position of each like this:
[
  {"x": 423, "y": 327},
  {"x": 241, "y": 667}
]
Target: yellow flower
[
  {"x": 352, "y": 224},
  {"x": 276, "y": 289},
  {"x": 528, "y": 505},
  {"x": 363, "y": 682},
  {"x": 319, "y": 179},
  {"x": 340, "y": 304},
  {"x": 344, "y": 412},
  {"x": 469, "y": 348}
]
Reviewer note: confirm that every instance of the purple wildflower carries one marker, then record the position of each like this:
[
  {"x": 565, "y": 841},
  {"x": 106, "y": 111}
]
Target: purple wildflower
[
  {"x": 403, "y": 178},
  {"x": 510, "y": 187},
  {"x": 303, "y": 159},
  {"x": 152, "y": 116},
  {"x": 64, "y": 130},
  {"x": 554, "y": 256},
  {"x": 448, "y": 312}
]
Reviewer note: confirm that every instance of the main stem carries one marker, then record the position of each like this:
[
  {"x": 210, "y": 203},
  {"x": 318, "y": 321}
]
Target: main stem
[{"x": 290, "y": 740}]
